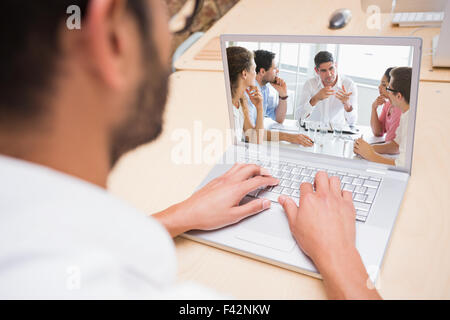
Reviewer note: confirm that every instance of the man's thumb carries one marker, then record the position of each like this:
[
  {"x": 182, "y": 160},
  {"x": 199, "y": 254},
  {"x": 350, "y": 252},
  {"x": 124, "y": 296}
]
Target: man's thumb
[{"x": 289, "y": 207}]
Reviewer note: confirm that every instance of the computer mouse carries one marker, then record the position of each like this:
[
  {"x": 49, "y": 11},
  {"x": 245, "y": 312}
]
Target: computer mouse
[{"x": 340, "y": 18}]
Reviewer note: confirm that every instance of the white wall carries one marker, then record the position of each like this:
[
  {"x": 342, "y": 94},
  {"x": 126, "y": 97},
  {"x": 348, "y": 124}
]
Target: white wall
[{"x": 366, "y": 96}]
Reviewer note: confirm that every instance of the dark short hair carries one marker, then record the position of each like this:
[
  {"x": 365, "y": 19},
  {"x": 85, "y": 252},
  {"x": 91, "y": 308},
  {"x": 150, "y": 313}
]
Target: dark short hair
[
  {"x": 387, "y": 73},
  {"x": 322, "y": 57},
  {"x": 263, "y": 59},
  {"x": 402, "y": 81},
  {"x": 31, "y": 52}
]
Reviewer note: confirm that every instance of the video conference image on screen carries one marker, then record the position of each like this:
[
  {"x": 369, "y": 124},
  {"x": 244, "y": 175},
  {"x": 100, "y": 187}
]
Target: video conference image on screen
[{"x": 344, "y": 100}]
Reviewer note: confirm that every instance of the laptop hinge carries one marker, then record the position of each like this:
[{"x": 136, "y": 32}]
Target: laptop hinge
[{"x": 377, "y": 171}]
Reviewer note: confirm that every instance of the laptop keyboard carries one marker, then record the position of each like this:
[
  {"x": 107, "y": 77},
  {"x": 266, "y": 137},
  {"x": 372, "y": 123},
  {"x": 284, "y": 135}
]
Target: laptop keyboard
[{"x": 291, "y": 175}]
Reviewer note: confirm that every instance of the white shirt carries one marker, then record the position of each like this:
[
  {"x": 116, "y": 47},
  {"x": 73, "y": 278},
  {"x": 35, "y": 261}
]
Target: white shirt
[
  {"x": 63, "y": 238},
  {"x": 330, "y": 109},
  {"x": 270, "y": 102},
  {"x": 401, "y": 138},
  {"x": 238, "y": 121}
]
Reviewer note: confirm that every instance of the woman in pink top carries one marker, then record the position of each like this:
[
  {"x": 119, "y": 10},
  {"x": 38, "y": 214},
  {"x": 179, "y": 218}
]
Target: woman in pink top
[{"x": 389, "y": 118}]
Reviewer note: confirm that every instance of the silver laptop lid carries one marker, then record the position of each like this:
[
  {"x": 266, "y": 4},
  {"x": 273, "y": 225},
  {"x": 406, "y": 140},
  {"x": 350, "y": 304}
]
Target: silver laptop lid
[{"x": 360, "y": 63}]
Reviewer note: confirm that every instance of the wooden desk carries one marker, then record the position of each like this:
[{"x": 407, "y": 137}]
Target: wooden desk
[
  {"x": 417, "y": 263},
  {"x": 299, "y": 18}
]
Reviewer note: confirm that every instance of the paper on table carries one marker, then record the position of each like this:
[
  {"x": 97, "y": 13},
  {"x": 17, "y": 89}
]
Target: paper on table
[
  {"x": 280, "y": 127},
  {"x": 288, "y": 125},
  {"x": 374, "y": 140}
]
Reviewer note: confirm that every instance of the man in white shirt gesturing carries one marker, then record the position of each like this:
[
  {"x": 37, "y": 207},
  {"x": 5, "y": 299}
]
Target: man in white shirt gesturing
[{"x": 329, "y": 97}]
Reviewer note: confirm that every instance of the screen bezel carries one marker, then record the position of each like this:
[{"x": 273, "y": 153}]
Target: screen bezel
[{"x": 415, "y": 42}]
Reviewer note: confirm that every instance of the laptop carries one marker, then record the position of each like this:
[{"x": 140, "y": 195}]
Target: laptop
[{"x": 377, "y": 189}]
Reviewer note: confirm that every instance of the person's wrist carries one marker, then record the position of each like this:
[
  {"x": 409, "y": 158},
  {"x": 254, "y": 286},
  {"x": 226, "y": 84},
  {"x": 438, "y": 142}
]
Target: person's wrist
[
  {"x": 372, "y": 153},
  {"x": 185, "y": 214},
  {"x": 374, "y": 148},
  {"x": 259, "y": 106},
  {"x": 283, "y": 136},
  {"x": 175, "y": 219},
  {"x": 346, "y": 277},
  {"x": 334, "y": 263}
]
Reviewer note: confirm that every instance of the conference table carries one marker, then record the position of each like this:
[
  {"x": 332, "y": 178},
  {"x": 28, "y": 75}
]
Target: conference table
[
  {"x": 154, "y": 176},
  {"x": 328, "y": 142}
]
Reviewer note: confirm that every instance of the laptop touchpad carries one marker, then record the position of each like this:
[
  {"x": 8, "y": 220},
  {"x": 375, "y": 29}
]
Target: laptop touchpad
[{"x": 269, "y": 228}]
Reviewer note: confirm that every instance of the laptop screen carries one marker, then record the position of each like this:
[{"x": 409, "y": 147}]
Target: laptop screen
[{"x": 349, "y": 100}]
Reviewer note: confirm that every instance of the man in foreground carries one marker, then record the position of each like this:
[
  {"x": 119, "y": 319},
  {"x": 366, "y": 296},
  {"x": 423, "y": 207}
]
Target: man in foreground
[{"x": 71, "y": 103}]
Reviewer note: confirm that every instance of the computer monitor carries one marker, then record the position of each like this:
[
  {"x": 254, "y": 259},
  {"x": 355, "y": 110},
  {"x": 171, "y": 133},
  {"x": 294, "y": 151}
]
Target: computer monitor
[
  {"x": 386, "y": 6},
  {"x": 360, "y": 68},
  {"x": 441, "y": 42}
]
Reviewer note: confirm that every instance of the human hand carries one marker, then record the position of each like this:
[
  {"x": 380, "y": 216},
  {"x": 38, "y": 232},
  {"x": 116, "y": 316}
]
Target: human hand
[
  {"x": 380, "y": 100},
  {"x": 344, "y": 97},
  {"x": 364, "y": 149},
  {"x": 324, "y": 93},
  {"x": 324, "y": 223},
  {"x": 255, "y": 96},
  {"x": 300, "y": 139},
  {"x": 281, "y": 86},
  {"x": 217, "y": 204},
  {"x": 324, "y": 227}
]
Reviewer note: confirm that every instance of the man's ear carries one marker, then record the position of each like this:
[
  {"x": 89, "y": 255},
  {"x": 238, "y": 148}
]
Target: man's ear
[
  {"x": 104, "y": 39},
  {"x": 316, "y": 70}
]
